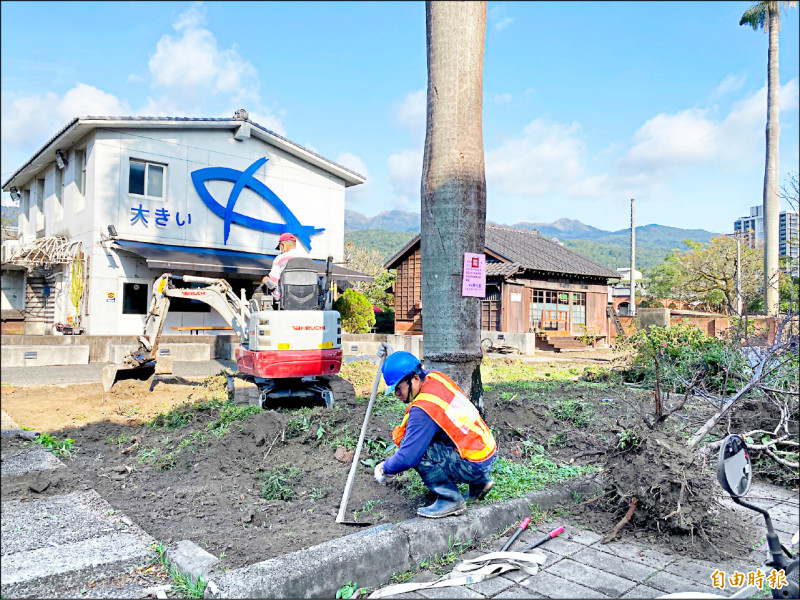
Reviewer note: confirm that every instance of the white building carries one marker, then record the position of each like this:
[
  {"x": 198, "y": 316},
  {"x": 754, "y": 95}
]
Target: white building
[{"x": 134, "y": 197}]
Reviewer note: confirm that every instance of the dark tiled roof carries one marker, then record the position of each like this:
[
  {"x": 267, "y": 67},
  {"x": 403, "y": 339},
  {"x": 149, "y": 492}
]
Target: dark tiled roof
[
  {"x": 524, "y": 249},
  {"x": 502, "y": 269},
  {"x": 535, "y": 252}
]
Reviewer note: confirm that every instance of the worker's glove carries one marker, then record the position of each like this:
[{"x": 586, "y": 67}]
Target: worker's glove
[
  {"x": 380, "y": 476},
  {"x": 384, "y": 350}
]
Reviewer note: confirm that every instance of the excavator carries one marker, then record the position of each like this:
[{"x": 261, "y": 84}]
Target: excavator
[{"x": 288, "y": 346}]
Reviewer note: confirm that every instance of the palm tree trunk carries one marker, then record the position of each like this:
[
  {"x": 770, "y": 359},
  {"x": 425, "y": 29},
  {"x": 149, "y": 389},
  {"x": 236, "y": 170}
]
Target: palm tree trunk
[
  {"x": 453, "y": 190},
  {"x": 771, "y": 191}
]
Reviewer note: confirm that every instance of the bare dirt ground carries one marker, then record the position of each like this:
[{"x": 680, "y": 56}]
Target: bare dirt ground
[{"x": 259, "y": 485}]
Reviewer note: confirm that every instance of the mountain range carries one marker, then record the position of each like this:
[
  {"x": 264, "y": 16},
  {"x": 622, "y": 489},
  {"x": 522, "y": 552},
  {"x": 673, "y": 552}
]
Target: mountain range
[{"x": 391, "y": 230}]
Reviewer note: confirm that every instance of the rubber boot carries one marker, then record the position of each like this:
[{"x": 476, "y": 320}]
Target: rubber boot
[
  {"x": 478, "y": 491},
  {"x": 449, "y": 501}
]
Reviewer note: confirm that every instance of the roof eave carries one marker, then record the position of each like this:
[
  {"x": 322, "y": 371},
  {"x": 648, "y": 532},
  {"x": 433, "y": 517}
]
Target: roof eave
[{"x": 80, "y": 126}]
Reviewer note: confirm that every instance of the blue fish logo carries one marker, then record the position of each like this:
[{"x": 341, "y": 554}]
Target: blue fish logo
[{"x": 240, "y": 180}]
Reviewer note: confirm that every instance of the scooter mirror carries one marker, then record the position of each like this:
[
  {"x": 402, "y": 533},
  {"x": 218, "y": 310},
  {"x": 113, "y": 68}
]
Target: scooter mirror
[{"x": 734, "y": 470}]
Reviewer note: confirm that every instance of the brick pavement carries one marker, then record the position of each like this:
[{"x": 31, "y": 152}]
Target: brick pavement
[{"x": 579, "y": 566}]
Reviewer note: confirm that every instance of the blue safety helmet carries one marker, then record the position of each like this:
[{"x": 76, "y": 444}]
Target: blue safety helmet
[{"x": 397, "y": 366}]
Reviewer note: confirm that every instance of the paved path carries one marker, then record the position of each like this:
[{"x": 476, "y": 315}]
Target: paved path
[{"x": 579, "y": 566}]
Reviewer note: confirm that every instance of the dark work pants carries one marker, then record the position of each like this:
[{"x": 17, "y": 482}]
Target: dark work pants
[{"x": 442, "y": 467}]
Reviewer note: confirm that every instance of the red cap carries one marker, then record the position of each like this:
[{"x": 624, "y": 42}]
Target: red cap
[{"x": 285, "y": 237}]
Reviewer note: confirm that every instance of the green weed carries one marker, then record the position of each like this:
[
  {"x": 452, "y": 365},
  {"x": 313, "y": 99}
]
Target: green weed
[
  {"x": 184, "y": 584},
  {"x": 274, "y": 486},
  {"x": 574, "y": 411},
  {"x": 348, "y": 590},
  {"x": 62, "y": 449},
  {"x": 515, "y": 479}
]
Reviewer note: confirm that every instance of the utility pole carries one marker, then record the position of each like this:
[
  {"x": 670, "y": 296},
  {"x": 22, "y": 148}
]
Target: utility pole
[
  {"x": 738, "y": 275},
  {"x": 632, "y": 305}
]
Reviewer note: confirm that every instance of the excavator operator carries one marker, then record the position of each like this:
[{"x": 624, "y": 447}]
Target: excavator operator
[
  {"x": 442, "y": 435},
  {"x": 287, "y": 244}
]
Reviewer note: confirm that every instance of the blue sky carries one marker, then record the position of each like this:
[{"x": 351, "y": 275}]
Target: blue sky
[{"x": 586, "y": 104}]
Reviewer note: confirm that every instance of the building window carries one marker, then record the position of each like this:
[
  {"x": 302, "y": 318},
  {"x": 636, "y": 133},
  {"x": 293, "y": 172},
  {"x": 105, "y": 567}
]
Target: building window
[
  {"x": 134, "y": 298},
  {"x": 146, "y": 179},
  {"x": 578, "y": 309},
  {"x": 80, "y": 179}
]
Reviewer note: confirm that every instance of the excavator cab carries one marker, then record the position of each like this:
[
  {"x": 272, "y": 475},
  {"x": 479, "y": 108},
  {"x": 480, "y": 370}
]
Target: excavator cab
[{"x": 300, "y": 286}]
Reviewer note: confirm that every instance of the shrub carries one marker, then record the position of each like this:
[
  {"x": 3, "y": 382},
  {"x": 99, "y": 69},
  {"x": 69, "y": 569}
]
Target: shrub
[{"x": 356, "y": 312}]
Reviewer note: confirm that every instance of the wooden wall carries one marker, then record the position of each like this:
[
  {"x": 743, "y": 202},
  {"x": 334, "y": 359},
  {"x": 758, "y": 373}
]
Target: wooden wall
[
  {"x": 408, "y": 295},
  {"x": 504, "y": 309}
]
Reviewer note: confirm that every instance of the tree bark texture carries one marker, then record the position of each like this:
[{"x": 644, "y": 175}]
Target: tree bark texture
[
  {"x": 453, "y": 190},
  {"x": 772, "y": 203}
]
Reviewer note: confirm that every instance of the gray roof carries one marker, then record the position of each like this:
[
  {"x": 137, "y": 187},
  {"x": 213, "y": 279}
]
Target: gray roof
[
  {"x": 501, "y": 269},
  {"x": 536, "y": 252},
  {"x": 524, "y": 249},
  {"x": 76, "y": 129}
]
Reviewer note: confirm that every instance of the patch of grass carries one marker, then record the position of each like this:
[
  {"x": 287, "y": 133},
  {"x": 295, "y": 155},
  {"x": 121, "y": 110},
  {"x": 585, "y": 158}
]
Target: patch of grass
[
  {"x": 515, "y": 479},
  {"x": 411, "y": 483},
  {"x": 367, "y": 508},
  {"x": 146, "y": 455},
  {"x": 348, "y": 590},
  {"x": 184, "y": 584},
  {"x": 274, "y": 485},
  {"x": 572, "y": 410},
  {"x": 61, "y": 448},
  {"x": 454, "y": 550},
  {"x": 122, "y": 438},
  {"x": 345, "y": 439},
  {"x": 230, "y": 413}
]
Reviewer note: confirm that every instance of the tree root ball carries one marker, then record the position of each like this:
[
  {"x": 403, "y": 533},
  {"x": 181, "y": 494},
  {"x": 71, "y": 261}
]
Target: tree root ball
[{"x": 673, "y": 493}]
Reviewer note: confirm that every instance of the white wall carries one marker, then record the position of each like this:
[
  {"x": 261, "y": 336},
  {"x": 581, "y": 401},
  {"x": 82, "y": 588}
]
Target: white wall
[
  {"x": 13, "y": 290},
  {"x": 313, "y": 195}
]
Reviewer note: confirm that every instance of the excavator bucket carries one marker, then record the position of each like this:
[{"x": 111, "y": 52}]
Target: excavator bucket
[{"x": 118, "y": 372}]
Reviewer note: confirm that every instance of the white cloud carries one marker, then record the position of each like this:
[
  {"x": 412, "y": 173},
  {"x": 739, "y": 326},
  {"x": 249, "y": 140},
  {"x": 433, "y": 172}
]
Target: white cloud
[
  {"x": 352, "y": 162},
  {"x": 732, "y": 83},
  {"x": 498, "y": 18},
  {"x": 546, "y": 159},
  {"x": 412, "y": 111},
  {"x": 503, "y": 99},
  {"x": 405, "y": 176},
  {"x": 189, "y": 74},
  {"x": 694, "y": 137},
  {"x": 358, "y": 196},
  {"x": 37, "y": 117},
  {"x": 189, "y": 71},
  {"x": 682, "y": 139}
]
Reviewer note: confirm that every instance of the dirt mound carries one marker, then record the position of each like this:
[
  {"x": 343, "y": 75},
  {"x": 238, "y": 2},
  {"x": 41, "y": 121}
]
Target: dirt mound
[{"x": 657, "y": 487}]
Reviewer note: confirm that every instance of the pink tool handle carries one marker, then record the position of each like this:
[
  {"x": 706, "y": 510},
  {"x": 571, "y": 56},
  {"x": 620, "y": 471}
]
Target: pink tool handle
[
  {"x": 556, "y": 532},
  {"x": 526, "y": 522}
]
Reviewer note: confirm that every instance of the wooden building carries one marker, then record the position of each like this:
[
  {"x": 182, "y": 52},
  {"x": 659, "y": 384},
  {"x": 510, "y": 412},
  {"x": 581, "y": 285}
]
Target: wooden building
[{"x": 532, "y": 285}]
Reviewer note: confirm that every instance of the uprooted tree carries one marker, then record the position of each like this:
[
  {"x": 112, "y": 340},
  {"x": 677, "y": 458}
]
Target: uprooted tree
[{"x": 746, "y": 383}]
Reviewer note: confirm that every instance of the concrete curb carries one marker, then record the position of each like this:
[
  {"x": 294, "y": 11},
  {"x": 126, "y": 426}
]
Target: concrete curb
[{"x": 372, "y": 556}]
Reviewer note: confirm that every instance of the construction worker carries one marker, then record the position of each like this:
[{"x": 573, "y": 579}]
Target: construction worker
[
  {"x": 287, "y": 244},
  {"x": 442, "y": 435}
]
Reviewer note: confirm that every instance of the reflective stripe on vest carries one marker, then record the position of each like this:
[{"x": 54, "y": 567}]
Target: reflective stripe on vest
[{"x": 446, "y": 404}]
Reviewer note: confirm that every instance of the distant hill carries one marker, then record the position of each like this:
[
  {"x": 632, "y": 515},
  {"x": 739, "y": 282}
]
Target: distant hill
[
  {"x": 564, "y": 229},
  {"x": 647, "y": 236},
  {"x": 387, "y": 242},
  {"x": 391, "y": 220},
  {"x": 390, "y": 231}
]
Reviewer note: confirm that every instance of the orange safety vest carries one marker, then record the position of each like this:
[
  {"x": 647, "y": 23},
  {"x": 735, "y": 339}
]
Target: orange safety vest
[{"x": 445, "y": 403}]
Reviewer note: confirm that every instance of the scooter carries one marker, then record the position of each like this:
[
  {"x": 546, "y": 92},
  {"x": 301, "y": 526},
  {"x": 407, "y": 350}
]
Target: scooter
[{"x": 735, "y": 475}]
